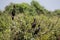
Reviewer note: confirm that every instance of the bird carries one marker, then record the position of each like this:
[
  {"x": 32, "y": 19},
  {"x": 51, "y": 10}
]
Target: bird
[
  {"x": 37, "y": 30},
  {"x": 13, "y": 12},
  {"x": 34, "y": 24},
  {"x": 38, "y": 25}
]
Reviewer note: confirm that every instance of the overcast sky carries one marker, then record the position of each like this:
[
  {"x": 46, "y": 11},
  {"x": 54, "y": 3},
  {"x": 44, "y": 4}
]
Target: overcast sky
[{"x": 48, "y": 4}]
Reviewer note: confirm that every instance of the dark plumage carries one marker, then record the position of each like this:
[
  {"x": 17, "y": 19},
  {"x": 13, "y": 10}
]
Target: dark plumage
[
  {"x": 38, "y": 25},
  {"x": 37, "y": 30},
  {"x": 13, "y": 12},
  {"x": 12, "y": 17},
  {"x": 34, "y": 24}
]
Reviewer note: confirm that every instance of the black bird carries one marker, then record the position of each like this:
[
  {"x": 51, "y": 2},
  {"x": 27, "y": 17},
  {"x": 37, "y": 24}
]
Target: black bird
[
  {"x": 34, "y": 24},
  {"x": 13, "y": 12},
  {"x": 38, "y": 25},
  {"x": 37, "y": 30}
]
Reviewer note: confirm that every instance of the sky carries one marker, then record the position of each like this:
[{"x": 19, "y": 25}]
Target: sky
[{"x": 48, "y": 4}]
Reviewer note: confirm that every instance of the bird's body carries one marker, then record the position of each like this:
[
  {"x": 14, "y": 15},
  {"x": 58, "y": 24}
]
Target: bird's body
[
  {"x": 36, "y": 31},
  {"x": 13, "y": 12},
  {"x": 33, "y": 25}
]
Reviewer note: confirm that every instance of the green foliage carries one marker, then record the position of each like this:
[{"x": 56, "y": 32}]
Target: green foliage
[
  {"x": 57, "y": 12},
  {"x": 21, "y": 27}
]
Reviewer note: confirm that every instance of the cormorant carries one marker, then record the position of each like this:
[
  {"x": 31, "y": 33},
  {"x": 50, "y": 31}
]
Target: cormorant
[
  {"x": 13, "y": 12},
  {"x": 34, "y": 24}
]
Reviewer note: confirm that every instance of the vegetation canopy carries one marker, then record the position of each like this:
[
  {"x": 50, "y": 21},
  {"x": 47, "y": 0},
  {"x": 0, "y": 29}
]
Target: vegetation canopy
[{"x": 29, "y": 22}]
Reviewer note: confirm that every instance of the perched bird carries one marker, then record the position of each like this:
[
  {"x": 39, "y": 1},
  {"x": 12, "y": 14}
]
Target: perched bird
[
  {"x": 34, "y": 24},
  {"x": 37, "y": 30},
  {"x": 13, "y": 12},
  {"x": 38, "y": 25}
]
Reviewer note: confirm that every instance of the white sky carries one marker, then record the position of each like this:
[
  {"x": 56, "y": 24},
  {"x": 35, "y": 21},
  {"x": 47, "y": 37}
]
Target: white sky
[{"x": 48, "y": 4}]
